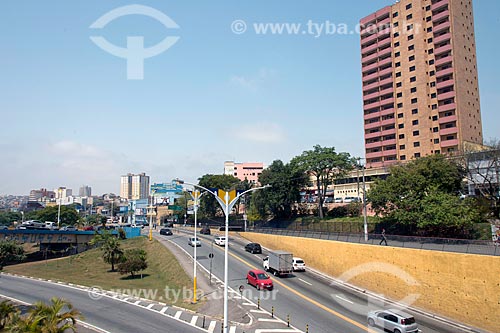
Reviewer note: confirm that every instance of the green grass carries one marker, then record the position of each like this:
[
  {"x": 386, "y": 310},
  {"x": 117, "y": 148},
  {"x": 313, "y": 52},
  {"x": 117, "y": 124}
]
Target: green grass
[{"x": 89, "y": 269}]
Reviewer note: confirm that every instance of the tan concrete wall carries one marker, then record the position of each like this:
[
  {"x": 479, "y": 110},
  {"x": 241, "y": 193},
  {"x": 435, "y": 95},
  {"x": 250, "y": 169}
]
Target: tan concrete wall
[{"x": 464, "y": 287}]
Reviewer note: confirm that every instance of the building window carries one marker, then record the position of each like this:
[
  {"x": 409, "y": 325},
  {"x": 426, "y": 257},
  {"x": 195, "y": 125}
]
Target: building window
[
  {"x": 400, "y": 105},
  {"x": 429, "y": 29},
  {"x": 431, "y": 51},
  {"x": 398, "y": 85},
  {"x": 412, "y": 68},
  {"x": 398, "y": 74},
  {"x": 398, "y": 64},
  {"x": 437, "y": 152},
  {"x": 396, "y": 34},
  {"x": 411, "y": 47},
  {"x": 436, "y": 141},
  {"x": 414, "y": 101},
  {"x": 435, "y": 129},
  {"x": 428, "y": 8},
  {"x": 416, "y": 133},
  {"x": 401, "y": 126},
  {"x": 414, "y": 122},
  {"x": 433, "y": 95},
  {"x": 396, "y": 24},
  {"x": 401, "y": 147},
  {"x": 413, "y": 79},
  {"x": 413, "y": 90},
  {"x": 433, "y": 84},
  {"x": 411, "y": 58},
  {"x": 395, "y": 14},
  {"x": 409, "y": 16},
  {"x": 428, "y": 19},
  {"x": 401, "y": 136},
  {"x": 414, "y": 111},
  {"x": 434, "y": 118},
  {"x": 399, "y": 94},
  {"x": 417, "y": 155},
  {"x": 397, "y": 54},
  {"x": 408, "y": 6},
  {"x": 431, "y": 62},
  {"x": 432, "y": 73},
  {"x": 416, "y": 144},
  {"x": 409, "y": 27},
  {"x": 434, "y": 107},
  {"x": 429, "y": 40},
  {"x": 400, "y": 115},
  {"x": 402, "y": 157}
]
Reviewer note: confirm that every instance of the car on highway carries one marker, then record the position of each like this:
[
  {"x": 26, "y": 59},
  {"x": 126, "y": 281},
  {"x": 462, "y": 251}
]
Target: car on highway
[
  {"x": 68, "y": 228},
  {"x": 194, "y": 241},
  {"x": 3, "y": 227},
  {"x": 166, "y": 232},
  {"x": 298, "y": 264},
  {"x": 259, "y": 279},
  {"x": 220, "y": 240},
  {"x": 205, "y": 230},
  {"x": 253, "y": 248},
  {"x": 393, "y": 320}
]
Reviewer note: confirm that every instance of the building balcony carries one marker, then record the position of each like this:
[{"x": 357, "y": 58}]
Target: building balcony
[
  {"x": 373, "y": 145},
  {"x": 384, "y": 43},
  {"x": 367, "y": 68},
  {"x": 390, "y": 152},
  {"x": 439, "y": 4},
  {"x": 384, "y": 22},
  {"x": 389, "y": 132},
  {"x": 443, "y": 72},
  {"x": 447, "y": 107},
  {"x": 386, "y": 91},
  {"x": 370, "y": 76},
  {"x": 389, "y": 142},
  {"x": 444, "y": 84},
  {"x": 370, "y": 57},
  {"x": 441, "y": 26},
  {"x": 371, "y": 96},
  {"x": 442, "y": 49},
  {"x": 440, "y": 16},
  {"x": 385, "y": 81},
  {"x": 448, "y": 119},
  {"x": 446, "y": 95},
  {"x": 371, "y": 86},
  {"x": 374, "y": 154},
  {"x": 449, "y": 143},
  {"x": 375, "y": 124},
  {"x": 388, "y": 122},
  {"x": 371, "y": 36},
  {"x": 371, "y": 115},
  {"x": 387, "y": 101},
  {"x": 448, "y": 131},
  {"x": 371, "y": 106},
  {"x": 370, "y": 19},
  {"x": 442, "y": 38},
  {"x": 387, "y": 112},
  {"x": 370, "y": 48},
  {"x": 373, "y": 135},
  {"x": 384, "y": 62},
  {"x": 444, "y": 60},
  {"x": 385, "y": 54}
]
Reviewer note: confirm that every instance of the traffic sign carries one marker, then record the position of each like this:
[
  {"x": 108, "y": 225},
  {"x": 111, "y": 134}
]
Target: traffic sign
[{"x": 210, "y": 255}]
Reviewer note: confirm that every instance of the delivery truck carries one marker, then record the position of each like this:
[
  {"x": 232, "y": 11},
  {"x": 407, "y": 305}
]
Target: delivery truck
[{"x": 278, "y": 262}]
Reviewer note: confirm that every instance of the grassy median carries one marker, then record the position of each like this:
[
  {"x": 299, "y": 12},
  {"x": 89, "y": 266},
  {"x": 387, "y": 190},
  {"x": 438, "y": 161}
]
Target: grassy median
[{"x": 89, "y": 269}]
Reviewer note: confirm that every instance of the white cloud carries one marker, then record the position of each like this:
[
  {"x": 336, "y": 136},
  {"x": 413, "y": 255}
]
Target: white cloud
[
  {"x": 260, "y": 133},
  {"x": 253, "y": 82}
]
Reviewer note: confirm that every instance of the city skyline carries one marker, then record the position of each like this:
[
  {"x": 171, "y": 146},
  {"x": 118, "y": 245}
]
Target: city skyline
[{"x": 218, "y": 94}]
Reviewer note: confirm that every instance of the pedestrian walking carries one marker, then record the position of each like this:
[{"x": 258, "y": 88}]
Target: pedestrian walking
[{"x": 383, "y": 240}]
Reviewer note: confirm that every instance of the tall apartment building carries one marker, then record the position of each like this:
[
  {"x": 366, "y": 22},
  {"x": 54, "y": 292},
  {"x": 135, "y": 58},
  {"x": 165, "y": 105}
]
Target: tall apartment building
[
  {"x": 85, "y": 191},
  {"x": 41, "y": 194},
  {"x": 420, "y": 86},
  {"x": 134, "y": 187},
  {"x": 242, "y": 171}
]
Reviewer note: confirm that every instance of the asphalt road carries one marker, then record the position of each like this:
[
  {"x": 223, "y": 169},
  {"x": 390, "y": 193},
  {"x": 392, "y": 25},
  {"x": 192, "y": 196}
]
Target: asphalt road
[
  {"x": 106, "y": 313},
  {"x": 308, "y": 298}
]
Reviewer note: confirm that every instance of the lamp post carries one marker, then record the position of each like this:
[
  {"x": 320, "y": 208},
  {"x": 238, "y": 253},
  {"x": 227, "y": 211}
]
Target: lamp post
[
  {"x": 195, "y": 195},
  {"x": 365, "y": 223},
  {"x": 226, "y": 200},
  {"x": 59, "y": 191}
]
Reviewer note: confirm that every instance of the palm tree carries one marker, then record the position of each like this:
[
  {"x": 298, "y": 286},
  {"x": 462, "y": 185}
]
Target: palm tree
[
  {"x": 23, "y": 324},
  {"x": 112, "y": 252},
  {"x": 7, "y": 311},
  {"x": 52, "y": 319}
]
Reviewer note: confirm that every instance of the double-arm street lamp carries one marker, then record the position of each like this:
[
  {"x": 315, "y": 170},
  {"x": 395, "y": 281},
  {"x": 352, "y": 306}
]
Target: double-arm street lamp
[{"x": 226, "y": 200}]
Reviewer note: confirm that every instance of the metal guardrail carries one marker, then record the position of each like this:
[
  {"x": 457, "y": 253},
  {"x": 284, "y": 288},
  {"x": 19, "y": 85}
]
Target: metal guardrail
[{"x": 424, "y": 243}]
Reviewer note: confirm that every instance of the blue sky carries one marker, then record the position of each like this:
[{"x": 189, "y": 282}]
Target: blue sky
[{"x": 69, "y": 116}]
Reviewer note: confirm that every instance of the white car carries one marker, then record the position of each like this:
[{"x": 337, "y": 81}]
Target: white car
[
  {"x": 220, "y": 240},
  {"x": 194, "y": 241},
  {"x": 298, "y": 264},
  {"x": 393, "y": 320}
]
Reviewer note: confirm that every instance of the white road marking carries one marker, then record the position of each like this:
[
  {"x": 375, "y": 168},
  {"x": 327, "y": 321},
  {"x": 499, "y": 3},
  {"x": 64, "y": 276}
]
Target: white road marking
[
  {"x": 232, "y": 329},
  {"x": 162, "y": 311},
  {"x": 211, "y": 327},
  {"x": 178, "y": 314},
  {"x": 305, "y": 282},
  {"x": 269, "y": 320},
  {"x": 137, "y": 302},
  {"x": 277, "y": 330},
  {"x": 258, "y": 311},
  {"x": 150, "y": 306},
  {"x": 344, "y": 299},
  {"x": 194, "y": 320}
]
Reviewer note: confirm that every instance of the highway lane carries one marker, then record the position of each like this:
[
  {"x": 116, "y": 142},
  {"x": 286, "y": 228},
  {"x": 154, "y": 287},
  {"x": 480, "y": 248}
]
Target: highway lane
[
  {"x": 109, "y": 314},
  {"x": 323, "y": 305}
]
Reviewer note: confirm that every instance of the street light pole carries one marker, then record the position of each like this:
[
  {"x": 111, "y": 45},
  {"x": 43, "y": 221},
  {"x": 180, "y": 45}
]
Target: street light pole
[
  {"x": 59, "y": 210},
  {"x": 195, "y": 195},
  {"x": 365, "y": 223},
  {"x": 226, "y": 204}
]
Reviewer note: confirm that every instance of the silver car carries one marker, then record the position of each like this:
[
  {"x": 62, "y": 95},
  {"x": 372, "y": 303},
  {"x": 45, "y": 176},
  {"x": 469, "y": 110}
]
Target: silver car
[
  {"x": 393, "y": 320},
  {"x": 194, "y": 241}
]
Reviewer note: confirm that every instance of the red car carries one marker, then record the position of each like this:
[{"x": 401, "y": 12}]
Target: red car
[{"x": 259, "y": 279}]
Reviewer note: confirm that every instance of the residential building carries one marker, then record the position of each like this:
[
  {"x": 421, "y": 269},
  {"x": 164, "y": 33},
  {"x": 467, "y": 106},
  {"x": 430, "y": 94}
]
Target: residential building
[
  {"x": 63, "y": 193},
  {"x": 41, "y": 195},
  {"x": 85, "y": 191},
  {"x": 420, "y": 86},
  {"x": 134, "y": 186},
  {"x": 249, "y": 170}
]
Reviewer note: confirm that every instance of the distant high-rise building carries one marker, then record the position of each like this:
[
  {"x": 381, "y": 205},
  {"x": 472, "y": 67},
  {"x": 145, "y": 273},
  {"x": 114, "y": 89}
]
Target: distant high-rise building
[
  {"x": 420, "y": 86},
  {"x": 85, "y": 191},
  {"x": 41, "y": 194},
  {"x": 134, "y": 187},
  {"x": 63, "y": 192},
  {"x": 242, "y": 171}
]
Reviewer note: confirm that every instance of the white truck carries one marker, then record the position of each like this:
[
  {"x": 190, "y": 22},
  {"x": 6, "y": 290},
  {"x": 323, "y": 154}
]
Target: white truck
[{"x": 278, "y": 262}]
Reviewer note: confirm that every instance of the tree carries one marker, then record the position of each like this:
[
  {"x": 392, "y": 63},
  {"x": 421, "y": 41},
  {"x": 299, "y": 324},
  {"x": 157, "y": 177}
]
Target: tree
[
  {"x": 135, "y": 261},
  {"x": 7, "y": 311},
  {"x": 325, "y": 165},
  {"x": 6, "y": 218},
  {"x": 68, "y": 216},
  {"x": 423, "y": 195},
  {"x": 47, "y": 318},
  {"x": 112, "y": 252},
  {"x": 10, "y": 250},
  {"x": 209, "y": 206},
  {"x": 286, "y": 183}
]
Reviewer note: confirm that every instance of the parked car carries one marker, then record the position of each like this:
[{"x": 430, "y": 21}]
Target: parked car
[
  {"x": 259, "y": 279},
  {"x": 205, "y": 230},
  {"x": 166, "y": 232},
  {"x": 68, "y": 228},
  {"x": 393, "y": 320},
  {"x": 338, "y": 200},
  {"x": 3, "y": 227},
  {"x": 298, "y": 264},
  {"x": 253, "y": 248},
  {"x": 351, "y": 199},
  {"x": 88, "y": 228},
  {"x": 220, "y": 240},
  {"x": 194, "y": 241}
]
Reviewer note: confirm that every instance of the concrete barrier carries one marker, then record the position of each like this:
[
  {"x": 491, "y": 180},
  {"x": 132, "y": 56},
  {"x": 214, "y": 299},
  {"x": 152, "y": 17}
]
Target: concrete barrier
[{"x": 464, "y": 287}]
